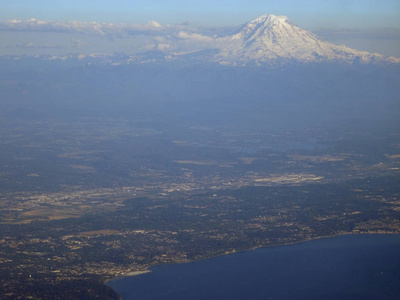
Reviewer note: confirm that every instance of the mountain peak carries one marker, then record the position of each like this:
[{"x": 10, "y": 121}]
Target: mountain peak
[
  {"x": 262, "y": 24},
  {"x": 271, "y": 38},
  {"x": 270, "y": 19}
]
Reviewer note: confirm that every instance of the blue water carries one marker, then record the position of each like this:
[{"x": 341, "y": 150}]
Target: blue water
[{"x": 344, "y": 267}]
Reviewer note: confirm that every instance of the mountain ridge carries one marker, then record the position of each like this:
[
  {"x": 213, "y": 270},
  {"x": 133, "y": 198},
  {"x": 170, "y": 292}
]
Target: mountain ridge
[{"x": 271, "y": 38}]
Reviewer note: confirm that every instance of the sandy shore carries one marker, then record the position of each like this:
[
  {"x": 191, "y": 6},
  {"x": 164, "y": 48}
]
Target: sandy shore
[{"x": 136, "y": 273}]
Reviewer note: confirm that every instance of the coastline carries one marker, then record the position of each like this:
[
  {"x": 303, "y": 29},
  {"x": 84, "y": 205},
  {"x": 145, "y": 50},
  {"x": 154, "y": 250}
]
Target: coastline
[
  {"x": 136, "y": 273},
  {"x": 129, "y": 274},
  {"x": 394, "y": 234},
  {"x": 146, "y": 270},
  {"x": 339, "y": 249}
]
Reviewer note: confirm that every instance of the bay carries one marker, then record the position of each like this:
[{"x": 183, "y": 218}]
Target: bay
[{"x": 365, "y": 266}]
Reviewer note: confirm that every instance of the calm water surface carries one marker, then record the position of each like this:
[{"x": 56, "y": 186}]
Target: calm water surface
[{"x": 344, "y": 267}]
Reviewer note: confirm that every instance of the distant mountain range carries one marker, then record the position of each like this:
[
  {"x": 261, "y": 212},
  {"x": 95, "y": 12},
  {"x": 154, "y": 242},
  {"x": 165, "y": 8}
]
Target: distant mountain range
[{"x": 267, "y": 40}]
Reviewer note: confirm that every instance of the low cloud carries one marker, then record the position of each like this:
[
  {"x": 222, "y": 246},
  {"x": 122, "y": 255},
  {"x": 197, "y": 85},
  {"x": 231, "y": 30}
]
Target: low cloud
[
  {"x": 94, "y": 28},
  {"x": 77, "y": 43},
  {"x": 89, "y": 37},
  {"x": 32, "y": 45},
  {"x": 195, "y": 36},
  {"x": 163, "y": 47}
]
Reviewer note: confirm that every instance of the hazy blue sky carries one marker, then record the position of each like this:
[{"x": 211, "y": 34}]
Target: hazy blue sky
[{"x": 310, "y": 14}]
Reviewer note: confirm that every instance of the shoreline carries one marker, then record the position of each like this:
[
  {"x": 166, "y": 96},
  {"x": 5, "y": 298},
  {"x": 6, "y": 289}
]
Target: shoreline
[
  {"x": 129, "y": 274},
  {"x": 146, "y": 270},
  {"x": 136, "y": 273},
  {"x": 348, "y": 245}
]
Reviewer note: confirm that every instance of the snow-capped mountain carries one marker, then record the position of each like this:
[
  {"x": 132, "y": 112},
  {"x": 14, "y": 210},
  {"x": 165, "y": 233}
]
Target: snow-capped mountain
[
  {"x": 272, "y": 38},
  {"x": 267, "y": 40}
]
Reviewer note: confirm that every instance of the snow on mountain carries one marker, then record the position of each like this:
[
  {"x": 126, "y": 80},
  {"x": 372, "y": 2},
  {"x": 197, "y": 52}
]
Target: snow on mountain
[
  {"x": 272, "y": 38},
  {"x": 268, "y": 39}
]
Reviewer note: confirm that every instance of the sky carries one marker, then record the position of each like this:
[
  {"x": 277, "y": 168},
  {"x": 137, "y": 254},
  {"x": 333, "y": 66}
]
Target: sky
[
  {"x": 307, "y": 13},
  {"x": 370, "y": 25}
]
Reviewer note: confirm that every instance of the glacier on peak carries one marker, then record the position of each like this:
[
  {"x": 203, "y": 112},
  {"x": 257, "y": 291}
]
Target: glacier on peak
[
  {"x": 271, "y": 38},
  {"x": 268, "y": 19}
]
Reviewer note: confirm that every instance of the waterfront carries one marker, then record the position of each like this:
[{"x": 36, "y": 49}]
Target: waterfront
[{"x": 343, "y": 267}]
